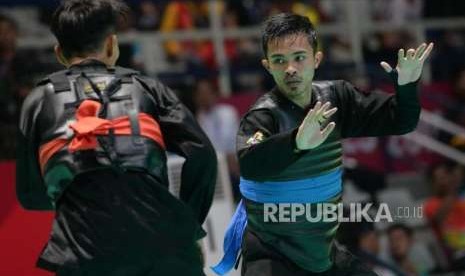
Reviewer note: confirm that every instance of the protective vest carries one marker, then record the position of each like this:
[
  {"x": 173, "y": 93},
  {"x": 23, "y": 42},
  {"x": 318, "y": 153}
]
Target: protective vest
[{"x": 95, "y": 121}]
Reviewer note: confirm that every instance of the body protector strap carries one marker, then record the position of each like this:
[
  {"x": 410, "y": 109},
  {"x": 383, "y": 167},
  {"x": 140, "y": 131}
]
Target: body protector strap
[{"x": 93, "y": 127}]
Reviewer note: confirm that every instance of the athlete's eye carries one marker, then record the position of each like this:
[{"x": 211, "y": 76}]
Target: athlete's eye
[
  {"x": 278, "y": 61},
  {"x": 300, "y": 58}
]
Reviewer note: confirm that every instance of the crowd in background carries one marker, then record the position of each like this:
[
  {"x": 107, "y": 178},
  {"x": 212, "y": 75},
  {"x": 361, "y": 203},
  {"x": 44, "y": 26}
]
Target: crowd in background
[{"x": 197, "y": 85}]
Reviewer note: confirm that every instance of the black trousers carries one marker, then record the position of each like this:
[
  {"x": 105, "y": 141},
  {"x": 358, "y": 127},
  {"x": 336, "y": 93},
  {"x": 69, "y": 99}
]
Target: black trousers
[
  {"x": 185, "y": 265},
  {"x": 260, "y": 259},
  {"x": 121, "y": 224}
]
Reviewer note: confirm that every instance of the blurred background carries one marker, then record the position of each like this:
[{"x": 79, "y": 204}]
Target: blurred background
[{"x": 209, "y": 52}]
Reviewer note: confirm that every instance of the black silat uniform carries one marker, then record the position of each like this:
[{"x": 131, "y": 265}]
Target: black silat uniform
[
  {"x": 266, "y": 151},
  {"x": 114, "y": 213}
]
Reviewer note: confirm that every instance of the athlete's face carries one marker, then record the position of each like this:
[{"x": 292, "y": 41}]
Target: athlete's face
[{"x": 292, "y": 63}]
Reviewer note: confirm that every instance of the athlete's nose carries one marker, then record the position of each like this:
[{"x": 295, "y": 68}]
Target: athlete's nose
[{"x": 291, "y": 69}]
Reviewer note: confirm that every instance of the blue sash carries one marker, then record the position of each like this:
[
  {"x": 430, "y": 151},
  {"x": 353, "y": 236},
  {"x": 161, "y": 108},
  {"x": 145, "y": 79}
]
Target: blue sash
[{"x": 310, "y": 190}]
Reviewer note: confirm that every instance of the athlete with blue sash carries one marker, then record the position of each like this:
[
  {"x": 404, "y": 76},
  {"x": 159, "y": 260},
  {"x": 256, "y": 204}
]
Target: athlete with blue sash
[{"x": 289, "y": 149}]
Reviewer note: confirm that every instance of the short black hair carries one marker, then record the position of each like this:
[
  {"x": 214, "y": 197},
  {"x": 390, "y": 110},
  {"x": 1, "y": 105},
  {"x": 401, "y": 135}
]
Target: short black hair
[
  {"x": 399, "y": 226},
  {"x": 285, "y": 24},
  {"x": 81, "y": 26}
]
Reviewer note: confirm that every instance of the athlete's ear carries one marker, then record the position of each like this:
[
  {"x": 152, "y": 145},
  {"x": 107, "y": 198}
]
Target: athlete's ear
[
  {"x": 59, "y": 55},
  {"x": 318, "y": 58},
  {"x": 266, "y": 64},
  {"x": 112, "y": 48}
]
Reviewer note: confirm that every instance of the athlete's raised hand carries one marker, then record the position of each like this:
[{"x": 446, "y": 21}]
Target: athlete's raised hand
[
  {"x": 310, "y": 135},
  {"x": 410, "y": 65}
]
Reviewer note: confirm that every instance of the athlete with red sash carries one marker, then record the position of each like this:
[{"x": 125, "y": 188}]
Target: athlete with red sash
[{"x": 92, "y": 146}]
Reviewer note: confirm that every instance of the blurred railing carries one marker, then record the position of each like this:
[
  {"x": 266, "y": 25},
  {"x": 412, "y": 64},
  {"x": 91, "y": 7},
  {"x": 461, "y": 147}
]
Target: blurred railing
[
  {"x": 435, "y": 145},
  {"x": 353, "y": 24}
]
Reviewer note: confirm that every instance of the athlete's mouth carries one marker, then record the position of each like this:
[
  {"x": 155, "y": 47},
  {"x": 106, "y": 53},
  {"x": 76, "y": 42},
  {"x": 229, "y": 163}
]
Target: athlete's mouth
[{"x": 293, "y": 82}]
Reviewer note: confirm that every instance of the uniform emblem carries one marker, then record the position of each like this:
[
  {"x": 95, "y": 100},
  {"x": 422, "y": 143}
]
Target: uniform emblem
[
  {"x": 256, "y": 138},
  {"x": 101, "y": 85}
]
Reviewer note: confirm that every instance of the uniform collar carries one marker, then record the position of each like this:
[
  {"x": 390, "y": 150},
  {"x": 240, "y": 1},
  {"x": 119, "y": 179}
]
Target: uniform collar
[
  {"x": 89, "y": 65},
  {"x": 288, "y": 104}
]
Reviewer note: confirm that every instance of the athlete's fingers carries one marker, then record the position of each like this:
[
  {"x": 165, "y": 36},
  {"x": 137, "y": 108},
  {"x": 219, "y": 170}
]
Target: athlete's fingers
[
  {"x": 427, "y": 52},
  {"x": 317, "y": 106},
  {"x": 326, "y": 115},
  {"x": 330, "y": 112},
  {"x": 420, "y": 50},
  {"x": 323, "y": 108},
  {"x": 410, "y": 53},
  {"x": 400, "y": 56},
  {"x": 312, "y": 113},
  {"x": 386, "y": 66},
  {"x": 327, "y": 130},
  {"x": 308, "y": 119}
]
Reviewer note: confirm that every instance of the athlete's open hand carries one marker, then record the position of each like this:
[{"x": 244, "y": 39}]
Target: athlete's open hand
[
  {"x": 310, "y": 135},
  {"x": 410, "y": 65}
]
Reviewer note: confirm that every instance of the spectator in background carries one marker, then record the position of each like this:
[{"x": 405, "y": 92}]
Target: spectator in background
[
  {"x": 149, "y": 16},
  {"x": 456, "y": 113},
  {"x": 309, "y": 10},
  {"x": 205, "y": 49},
  {"x": 400, "y": 248},
  {"x": 445, "y": 211},
  {"x": 200, "y": 11},
  {"x": 336, "y": 10},
  {"x": 177, "y": 17},
  {"x": 277, "y": 6},
  {"x": 19, "y": 70},
  {"x": 220, "y": 122},
  {"x": 397, "y": 12},
  {"x": 243, "y": 10},
  {"x": 362, "y": 239},
  {"x": 251, "y": 12}
]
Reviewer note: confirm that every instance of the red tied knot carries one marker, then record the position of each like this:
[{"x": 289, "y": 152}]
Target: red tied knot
[{"x": 88, "y": 126}]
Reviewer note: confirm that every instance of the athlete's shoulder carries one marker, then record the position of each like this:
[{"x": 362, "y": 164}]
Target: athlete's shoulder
[
  {"x": 328, "y": 89},
  {"x": 266, "y": 101},
  {"x": 327, "y": 85},
  {"x": 150, "y": 83},
  {"x": 125, "y": 71},
  {"x": 34, "y": 99},
  {"x": 48, "y": 78},
  {"x": 43, "y": 86}
]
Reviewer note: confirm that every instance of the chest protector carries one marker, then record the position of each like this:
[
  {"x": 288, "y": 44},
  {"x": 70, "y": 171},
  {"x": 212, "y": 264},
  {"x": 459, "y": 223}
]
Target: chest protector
[{"x": 92, "y": 121}]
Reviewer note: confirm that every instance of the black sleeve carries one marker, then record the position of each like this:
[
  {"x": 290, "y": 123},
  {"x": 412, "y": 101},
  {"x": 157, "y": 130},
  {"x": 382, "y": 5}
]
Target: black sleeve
[
  {"x": 30, "y": 187},
  {"x": 183, "y": 136},
  {"x": 262, "y": 151},
  {"x": 377, "y": 113}
]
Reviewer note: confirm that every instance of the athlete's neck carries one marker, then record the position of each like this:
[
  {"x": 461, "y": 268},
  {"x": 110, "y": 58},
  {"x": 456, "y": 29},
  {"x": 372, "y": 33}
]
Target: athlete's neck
[
  {"x": 76, "y": 60},
  {"x": 303, "y": 99}
]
